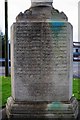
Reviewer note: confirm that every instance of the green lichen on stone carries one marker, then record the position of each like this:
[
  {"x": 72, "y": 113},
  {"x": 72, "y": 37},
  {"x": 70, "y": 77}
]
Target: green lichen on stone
[{"x": 55, "y": 106}]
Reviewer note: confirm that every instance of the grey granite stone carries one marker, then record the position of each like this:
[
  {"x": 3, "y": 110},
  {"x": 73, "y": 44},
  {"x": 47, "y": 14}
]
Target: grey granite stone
[
  {"x": 41, "y": 3},
  {"x": 41, "y": 66},
  {"x": 42, "y": 110}
]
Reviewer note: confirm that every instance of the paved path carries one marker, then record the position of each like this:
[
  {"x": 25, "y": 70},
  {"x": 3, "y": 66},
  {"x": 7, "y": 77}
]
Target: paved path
[
  {"x": 76, "y": 69},
  {"x": 2, "y": 71}
]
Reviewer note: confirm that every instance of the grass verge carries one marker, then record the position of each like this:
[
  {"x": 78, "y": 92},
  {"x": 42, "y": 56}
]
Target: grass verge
[
  {"x": 5, "y": 83},
  {"x": 76, "y": 88}
]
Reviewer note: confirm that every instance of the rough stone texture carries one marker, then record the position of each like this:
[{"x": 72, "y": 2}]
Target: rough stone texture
[
  {"x": 41, "y": 1},
  {"x": 4, "y": 116},
  {"x": 41, "y": 13},
  {"x": 43, "y": 110},
  {"x": 41, "y": 64},
  {"x": 41, "y": 68}
]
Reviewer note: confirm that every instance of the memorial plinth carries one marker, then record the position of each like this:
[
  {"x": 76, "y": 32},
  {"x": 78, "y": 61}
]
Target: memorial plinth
[{"x": 41, "y": 69}]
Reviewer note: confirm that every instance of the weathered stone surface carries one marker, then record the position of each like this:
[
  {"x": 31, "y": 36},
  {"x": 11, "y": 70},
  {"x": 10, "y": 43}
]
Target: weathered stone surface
[
  {"x": 41, "y": 1},
  {"x": 41, "y": 69},
  {"x": 43, "y": 13},
  {"x": 42, "y": 66},
  {"x": 43, "y": 110}
]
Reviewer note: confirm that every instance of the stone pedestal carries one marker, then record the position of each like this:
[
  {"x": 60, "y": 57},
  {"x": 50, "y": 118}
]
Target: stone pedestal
[
  {"x": 41, "y": 66},
  {"x": 42, "y": 110}
]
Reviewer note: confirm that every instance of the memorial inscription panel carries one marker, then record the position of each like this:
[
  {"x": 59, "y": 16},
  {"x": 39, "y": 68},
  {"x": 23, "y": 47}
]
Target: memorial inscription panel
[{"x": 41, "y": 61}]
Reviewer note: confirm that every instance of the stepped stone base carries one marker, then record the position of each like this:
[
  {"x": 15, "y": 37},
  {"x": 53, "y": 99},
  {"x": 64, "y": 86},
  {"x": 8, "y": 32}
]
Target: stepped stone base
[{"x": 42, "y": 110}]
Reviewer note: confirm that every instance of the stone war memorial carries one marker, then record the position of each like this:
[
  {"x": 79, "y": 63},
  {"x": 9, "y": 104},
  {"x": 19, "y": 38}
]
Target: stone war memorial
[{"x": 41, "y": 65}]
